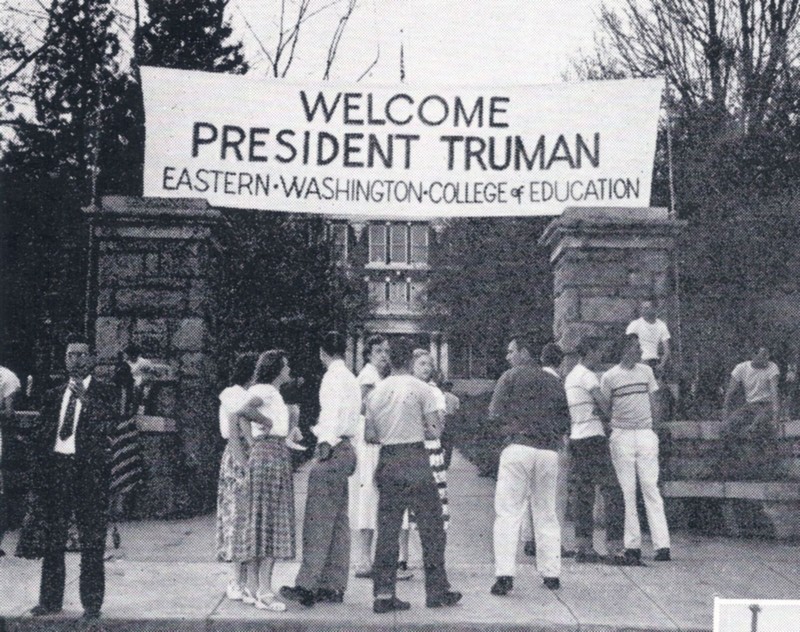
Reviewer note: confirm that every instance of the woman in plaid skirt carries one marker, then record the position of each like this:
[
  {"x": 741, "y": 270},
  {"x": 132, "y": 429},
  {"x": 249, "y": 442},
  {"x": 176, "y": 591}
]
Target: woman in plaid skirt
[
  {"x": 423, "y": 369},
  {"x": 232, "y": 505},
  {"x": 270, "y": 531}
]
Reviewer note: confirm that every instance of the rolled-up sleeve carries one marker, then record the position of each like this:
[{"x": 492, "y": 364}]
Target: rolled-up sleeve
[{"x": 327, "y": 427}]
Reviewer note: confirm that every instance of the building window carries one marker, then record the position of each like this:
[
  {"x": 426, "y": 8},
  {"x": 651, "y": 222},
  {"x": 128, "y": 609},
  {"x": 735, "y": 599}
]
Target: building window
[
  {"x": 377, "y": 243},
  {"x": 338, "y": 234},
  {"x": 419, "y": 243},
  {"x": 398, "y": 243},
  {"x": 468, "y": 360}
]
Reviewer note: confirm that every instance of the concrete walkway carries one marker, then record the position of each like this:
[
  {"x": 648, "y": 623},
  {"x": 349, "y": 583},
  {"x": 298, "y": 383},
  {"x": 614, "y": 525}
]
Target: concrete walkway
[{"x": 164, "y": 578}]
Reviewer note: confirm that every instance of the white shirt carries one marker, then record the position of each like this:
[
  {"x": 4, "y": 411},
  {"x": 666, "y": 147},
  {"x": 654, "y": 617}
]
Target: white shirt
[
  {"x": 369, "y": 375},
  {"x": 757, "y": 383},
  {"x": 650, "y": 336},
  {"x": 339, "y": 404},
  {"x": 582, "y": 407},
  {"x": 9, "y": 384},
  {"x": 272, "y": 407},
  {"x": 551, "y": 371},
  {"x": 67, "y": 446},
  {"x": 629, "y": 391},
  {"x": 233, "y": 400}
]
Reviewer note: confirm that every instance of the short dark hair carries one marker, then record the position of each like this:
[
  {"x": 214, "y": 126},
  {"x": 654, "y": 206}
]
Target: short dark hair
[
  {"x": 244, "y": 367},
  {"x": 403, "y": 352},
  {"x": 552, "y": 354},
  {"x": 622, "y": 343},
  {"x": 334, "y": 344},
  {"x": 133, "y": 350},
  {"x": 372, "y": 341},
  {"x": 586, "y": 345},
  {"x": 269, "y": 366},
  {"x": 524, "y": 341}
]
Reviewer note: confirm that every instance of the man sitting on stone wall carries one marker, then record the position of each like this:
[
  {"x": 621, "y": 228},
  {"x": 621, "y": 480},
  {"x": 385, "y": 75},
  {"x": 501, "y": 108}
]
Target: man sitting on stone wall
[{"x": 749, "y": 437}]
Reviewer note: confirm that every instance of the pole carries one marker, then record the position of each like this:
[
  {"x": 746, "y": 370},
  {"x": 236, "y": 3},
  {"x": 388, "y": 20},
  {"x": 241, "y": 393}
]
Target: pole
[
  {"x": 673, "y": 215},
  {"x": 754, "y": 609}
]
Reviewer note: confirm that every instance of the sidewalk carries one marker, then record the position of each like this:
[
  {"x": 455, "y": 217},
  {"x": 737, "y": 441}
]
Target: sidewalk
[{"x": 164, "y": 578}]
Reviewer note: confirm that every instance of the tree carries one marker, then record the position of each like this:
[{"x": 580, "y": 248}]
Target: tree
[
  {"x": 49, "y": 169},
  {"x": 490, "y": 279},
  {"x": 279, "y": 285},
  {"x": 190, "y": 35},
  {"x": 733, "y": 89}
]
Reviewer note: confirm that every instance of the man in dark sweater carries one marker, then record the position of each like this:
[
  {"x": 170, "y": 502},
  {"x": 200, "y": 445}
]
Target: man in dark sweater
[{"x": 531, "y": 407}]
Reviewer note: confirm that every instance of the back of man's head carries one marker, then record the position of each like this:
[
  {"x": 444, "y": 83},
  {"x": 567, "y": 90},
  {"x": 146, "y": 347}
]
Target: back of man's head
[
  {"x": 334, "y": 344},
  {"x": 552, "y": 355},
  {"x": 403, "y": 353}
]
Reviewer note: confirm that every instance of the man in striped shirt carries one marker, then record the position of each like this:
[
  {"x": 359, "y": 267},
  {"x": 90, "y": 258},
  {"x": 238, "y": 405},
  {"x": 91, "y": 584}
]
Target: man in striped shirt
[{"x": 630, "y": 386}]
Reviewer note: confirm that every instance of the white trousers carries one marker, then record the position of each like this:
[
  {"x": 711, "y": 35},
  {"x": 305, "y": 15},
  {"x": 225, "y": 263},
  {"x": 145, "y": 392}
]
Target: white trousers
[
  {"x": 562, "y": 497},
  {"x": 527, "y": 473},
  {"x": 635, "y": 455}
]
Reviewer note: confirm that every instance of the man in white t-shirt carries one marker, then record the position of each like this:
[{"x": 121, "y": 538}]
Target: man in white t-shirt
[
  {"x": 591, "y": 459},
  {"x": 630, "y": 386},
  {"x": 653, "y": 337},
  {"x": 9, "y": 385},
  {"x": 749, "y": 438}
]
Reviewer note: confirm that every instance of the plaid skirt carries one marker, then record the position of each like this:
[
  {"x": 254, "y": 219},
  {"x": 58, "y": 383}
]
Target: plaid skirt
[
  {"x": 232, "y": 510},
  {"x": 270, "y": 528},
  {"x": 439, "y": 471}
]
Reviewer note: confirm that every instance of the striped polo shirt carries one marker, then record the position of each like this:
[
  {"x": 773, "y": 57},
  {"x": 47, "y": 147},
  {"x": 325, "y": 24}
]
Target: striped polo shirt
[{"x": 629, "y": 392}]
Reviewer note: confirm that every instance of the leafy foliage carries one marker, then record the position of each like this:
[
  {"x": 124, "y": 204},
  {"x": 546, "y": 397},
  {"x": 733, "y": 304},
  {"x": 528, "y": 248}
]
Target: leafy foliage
[
  {"x": 190, "y": 35},
  {"x": 489, "y": 279}
]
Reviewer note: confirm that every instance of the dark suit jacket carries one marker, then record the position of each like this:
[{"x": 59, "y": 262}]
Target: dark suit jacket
[
  {"x": 531, "y": 407},
  {"x": 96, "y": 427}
]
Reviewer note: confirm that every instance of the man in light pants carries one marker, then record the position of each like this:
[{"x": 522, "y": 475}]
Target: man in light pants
[
  {"x": 630, "y": 386},
  {"x": 531, "y": 406}
]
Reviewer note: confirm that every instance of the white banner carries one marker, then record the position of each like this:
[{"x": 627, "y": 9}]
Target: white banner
[{"x": 400, "y": 151}]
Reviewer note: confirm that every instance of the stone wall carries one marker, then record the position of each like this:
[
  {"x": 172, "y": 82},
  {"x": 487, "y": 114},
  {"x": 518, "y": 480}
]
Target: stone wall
[
  {"x": 605, "y": 262},
  {"x": 152, "y": 267}
]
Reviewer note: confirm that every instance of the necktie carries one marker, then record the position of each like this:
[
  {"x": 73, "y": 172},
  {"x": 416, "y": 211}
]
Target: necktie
[{"x": 68, "y": 427}]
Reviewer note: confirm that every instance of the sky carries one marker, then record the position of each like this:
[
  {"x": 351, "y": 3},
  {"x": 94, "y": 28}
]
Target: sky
[
  {"x": 446, "y": 42},
  {"x": 453, "y": 42}
]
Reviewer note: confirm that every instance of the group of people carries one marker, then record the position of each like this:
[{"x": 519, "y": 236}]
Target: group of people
[{"x": 380, "y": 466}]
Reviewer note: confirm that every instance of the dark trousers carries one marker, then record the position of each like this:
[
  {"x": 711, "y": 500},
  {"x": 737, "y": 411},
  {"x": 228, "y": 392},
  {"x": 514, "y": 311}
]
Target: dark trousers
[
  {"x": 405, "y": 481},
  {"x": 74, "y": 487},
  {"x": 592, "y": 467},
  {"x": 3, "y": 516},
  {"x": 326, "y": 525}
]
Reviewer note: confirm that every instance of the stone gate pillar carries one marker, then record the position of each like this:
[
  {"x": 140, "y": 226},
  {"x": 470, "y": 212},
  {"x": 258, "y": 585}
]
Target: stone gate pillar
[
  {"x": 605, "y": 261},
  {"x": 150, "y": 285}
]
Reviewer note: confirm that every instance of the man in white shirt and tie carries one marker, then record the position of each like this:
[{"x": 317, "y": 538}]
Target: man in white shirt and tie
[
  {"x": 326, "y": 526},
  {"x": 72, "y": 454}
]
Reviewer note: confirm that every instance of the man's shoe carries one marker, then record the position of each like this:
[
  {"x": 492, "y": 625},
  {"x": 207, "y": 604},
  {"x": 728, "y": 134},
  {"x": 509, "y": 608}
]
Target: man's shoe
[
  {"x": 662, "y": 555},
  {"x": 2, "y": 553},
  {"x": 566, "y": 553},
  {"x": 553, "y": 583},
  {"x": 503, "y": 585},
  {"x": 91, "y": 615},
  {"x": 364, "y": 573},
  {"x": 44, "y": 611},
  {"x": 329, "y": 595},
  {"x": 530, "y": 548},
  {"x": 382, "y": 606},
  {"x": 588, "y": 557},
  {"x": 633, "y": 557},
  {"x": 301, "y": 595},
  {"x": 450, "y": 598},
  {"x": 403, "y": 574}
]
